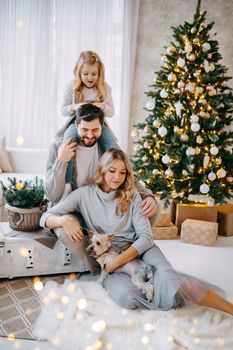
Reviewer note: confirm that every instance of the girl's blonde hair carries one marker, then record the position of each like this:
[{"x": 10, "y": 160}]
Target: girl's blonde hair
[
  {"x": 125, "y": 192},
  {"x": 88, "y": 57}
]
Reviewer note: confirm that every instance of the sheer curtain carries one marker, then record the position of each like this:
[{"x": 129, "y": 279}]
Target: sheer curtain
[{"x": 40, "y": 41}]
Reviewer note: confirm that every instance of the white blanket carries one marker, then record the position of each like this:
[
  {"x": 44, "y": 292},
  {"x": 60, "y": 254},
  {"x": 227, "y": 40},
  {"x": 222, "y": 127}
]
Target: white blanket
[{"x": 80, "y": 315}]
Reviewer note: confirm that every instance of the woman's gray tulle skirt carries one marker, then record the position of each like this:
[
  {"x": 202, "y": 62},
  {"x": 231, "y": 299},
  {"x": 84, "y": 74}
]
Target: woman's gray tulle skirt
[{"x": 172, "y": 289}]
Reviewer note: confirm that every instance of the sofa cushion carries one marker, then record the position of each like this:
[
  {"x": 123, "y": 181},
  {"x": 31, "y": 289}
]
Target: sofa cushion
[{"x": 5, "y": 164}]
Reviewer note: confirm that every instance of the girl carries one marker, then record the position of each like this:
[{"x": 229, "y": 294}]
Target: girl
[
  {"x": 88, "y": 86},
  {"x": 112, "y": 205}
]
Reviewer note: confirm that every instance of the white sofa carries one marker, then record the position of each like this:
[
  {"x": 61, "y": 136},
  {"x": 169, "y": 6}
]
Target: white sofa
[{"x": 26, "y": 163}]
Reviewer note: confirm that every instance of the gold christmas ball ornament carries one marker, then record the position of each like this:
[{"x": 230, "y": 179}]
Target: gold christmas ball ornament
[
  {"x": 156, "y": 156},
  {"x": 184, "y": 137},
  {"x": 218, "y": 161},
  {"x": 229, "y": 179},
  {"x": 181, "y": 132},
  {"x": 221, "y": 173},
  {"x": 171, "y": 77}
]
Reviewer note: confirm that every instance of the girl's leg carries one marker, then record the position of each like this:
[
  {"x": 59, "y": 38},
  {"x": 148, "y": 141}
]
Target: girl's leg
[
  {"x": 70, "y": 132},
  {"x": 107, "y": 139},
  {"x": 215, "y": 301}
]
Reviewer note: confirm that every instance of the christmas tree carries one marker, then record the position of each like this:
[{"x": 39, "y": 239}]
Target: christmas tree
[{"x": 184, "y": 148}]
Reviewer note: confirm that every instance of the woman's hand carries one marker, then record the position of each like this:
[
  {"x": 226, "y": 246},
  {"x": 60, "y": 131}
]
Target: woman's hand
[
  {"x": 67, "y": 151},
  {"x": 72, "y": 227},
  {"x": 111, "y": 265},
  {"x": 149, "y": 207}
]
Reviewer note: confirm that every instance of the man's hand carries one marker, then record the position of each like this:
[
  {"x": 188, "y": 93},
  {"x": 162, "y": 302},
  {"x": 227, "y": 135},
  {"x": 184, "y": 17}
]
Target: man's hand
[
  {"x": 149, "y": 207},
  {"x": 66, "y": 151},
  {"x": 72, "y": 227}
]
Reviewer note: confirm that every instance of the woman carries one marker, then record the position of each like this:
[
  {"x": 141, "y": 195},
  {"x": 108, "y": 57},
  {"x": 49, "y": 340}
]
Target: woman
[{"x": 112, "y": 205}]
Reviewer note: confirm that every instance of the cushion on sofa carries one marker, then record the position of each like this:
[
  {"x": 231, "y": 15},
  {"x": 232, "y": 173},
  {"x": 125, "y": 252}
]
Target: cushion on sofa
[{"x": 5, "y": 164}]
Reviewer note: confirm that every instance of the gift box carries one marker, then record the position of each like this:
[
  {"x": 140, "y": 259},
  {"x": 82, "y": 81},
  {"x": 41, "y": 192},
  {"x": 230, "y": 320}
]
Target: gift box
[
  {"x": 199, "y": 232},
  {"x": 225, "y": 219},
  {"x": 163, "y": 219},
  {"x": 164, "y": 216},
  {"x": 196, "y": 211},
  {"x": 169, "y": 232}
]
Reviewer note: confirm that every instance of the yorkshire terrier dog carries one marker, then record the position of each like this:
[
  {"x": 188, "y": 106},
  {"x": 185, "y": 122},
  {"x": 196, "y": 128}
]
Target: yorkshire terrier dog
[{"x": 101, "y": 249}]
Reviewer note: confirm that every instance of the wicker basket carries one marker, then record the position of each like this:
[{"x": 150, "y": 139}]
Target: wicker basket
[{"x": 22, "y": 219}]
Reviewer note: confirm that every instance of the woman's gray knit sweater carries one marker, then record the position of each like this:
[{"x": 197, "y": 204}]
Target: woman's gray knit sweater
[{"x": 101, "y": 214}]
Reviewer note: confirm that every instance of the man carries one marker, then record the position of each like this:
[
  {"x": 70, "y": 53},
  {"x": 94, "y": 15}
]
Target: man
[{"x": 86, "y": 153}]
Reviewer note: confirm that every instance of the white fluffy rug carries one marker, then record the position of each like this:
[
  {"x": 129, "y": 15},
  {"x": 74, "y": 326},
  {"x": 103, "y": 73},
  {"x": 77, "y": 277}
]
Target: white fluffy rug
[{"x": 80, "y": 315}]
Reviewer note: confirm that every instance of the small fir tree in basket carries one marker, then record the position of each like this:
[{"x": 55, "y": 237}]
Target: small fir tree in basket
[
  {"x": 25, "y": 203},
  {"x": 24, "y": 194}
]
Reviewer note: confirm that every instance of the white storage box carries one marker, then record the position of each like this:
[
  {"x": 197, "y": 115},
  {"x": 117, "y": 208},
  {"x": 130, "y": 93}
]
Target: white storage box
[{"x": 34, "y": 253}]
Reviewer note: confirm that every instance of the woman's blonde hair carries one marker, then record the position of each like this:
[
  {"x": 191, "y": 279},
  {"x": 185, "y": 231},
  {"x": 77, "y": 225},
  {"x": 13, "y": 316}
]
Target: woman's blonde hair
[
  {"x": 125, "y": 192},
  {"x": 88, "y": 57}
]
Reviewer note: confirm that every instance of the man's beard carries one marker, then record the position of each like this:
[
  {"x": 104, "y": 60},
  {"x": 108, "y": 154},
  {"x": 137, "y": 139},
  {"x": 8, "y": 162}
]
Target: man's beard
[{"x": 84, "y": 141}]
